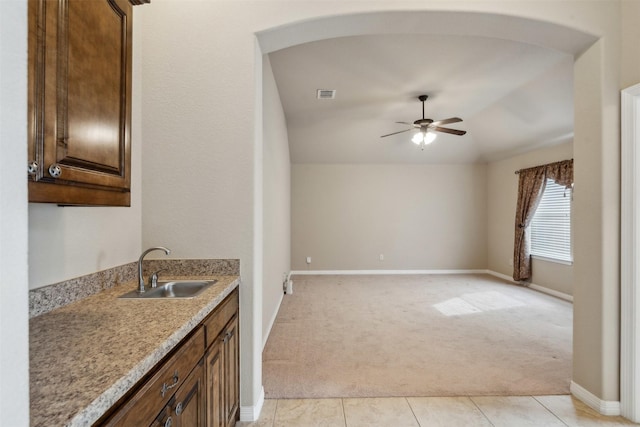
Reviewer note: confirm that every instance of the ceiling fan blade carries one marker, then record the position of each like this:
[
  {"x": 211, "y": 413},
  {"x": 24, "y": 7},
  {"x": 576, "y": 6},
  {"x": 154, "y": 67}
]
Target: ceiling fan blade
[
  {"x": 447, "y": 130},
  {"x": 447, "y": 121},
  {"x": 389, "y": 134},
  {"x": 405, "y": 123}
]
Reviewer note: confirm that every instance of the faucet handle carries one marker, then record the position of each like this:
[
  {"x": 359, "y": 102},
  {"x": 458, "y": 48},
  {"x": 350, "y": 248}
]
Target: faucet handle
[{"x": 153, "y": 280}]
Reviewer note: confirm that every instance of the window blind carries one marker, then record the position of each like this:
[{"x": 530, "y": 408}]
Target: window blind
[{"x": 551, "y": 224}]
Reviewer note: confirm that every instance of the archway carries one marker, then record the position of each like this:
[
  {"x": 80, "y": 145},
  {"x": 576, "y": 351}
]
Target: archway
[{"x": 551, "y": 35}]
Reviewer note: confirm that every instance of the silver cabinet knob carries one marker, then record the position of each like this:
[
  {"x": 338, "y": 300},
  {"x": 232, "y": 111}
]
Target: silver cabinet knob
[
  {"x": 32, "y": 168},
  {"x": 55, "y": 171}
]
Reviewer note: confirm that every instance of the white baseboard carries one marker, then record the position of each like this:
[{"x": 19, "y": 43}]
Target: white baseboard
[
  {"x": 271, "y": 322},
  {"x": 605, "y": 407},
  {"x": 352, "y": 272},
  {"x": 252, "y": 413},
  {"x": 538, "y": 288}
]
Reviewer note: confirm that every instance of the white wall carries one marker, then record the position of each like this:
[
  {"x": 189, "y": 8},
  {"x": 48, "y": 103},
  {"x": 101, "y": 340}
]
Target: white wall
[
  {"x": 418, "y": 216},
  {"x": 67, "y": 242},
  {"x": 277, "y": 200},
  {"x": 630, "y": 70},
  {"x": 14, "y": 326},
  {"x": 200, "y": 105},
  {"x": 502, "y": 194},
  {"x": 211, "y": 46}
]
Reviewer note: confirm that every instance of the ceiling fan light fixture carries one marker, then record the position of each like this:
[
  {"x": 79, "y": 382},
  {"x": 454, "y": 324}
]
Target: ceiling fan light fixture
[
  {"x": 423, "y": 137},
  {"x": 429, "y": 137}
]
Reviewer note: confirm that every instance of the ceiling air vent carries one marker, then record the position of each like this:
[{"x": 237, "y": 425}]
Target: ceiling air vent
[{"x": 326, "y": 93}]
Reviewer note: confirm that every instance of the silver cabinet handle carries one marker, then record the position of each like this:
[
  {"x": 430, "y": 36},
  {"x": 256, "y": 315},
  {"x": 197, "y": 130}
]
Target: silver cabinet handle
[
  {"x": 227, "y": 337},
  {"x": 32, "y": 168},
  {"x": 179, "y": 408},
  {"x": 55, "y": 171},
  {"x": 166, "y": 387},
  {"x": 168, "y": 422}
]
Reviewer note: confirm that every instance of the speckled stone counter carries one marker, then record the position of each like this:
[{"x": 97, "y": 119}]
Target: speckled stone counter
[{"x": 86, "y": 355}]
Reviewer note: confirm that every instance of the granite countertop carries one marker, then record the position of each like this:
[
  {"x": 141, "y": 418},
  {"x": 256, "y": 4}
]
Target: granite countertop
[{"x": 85, "y": 356}]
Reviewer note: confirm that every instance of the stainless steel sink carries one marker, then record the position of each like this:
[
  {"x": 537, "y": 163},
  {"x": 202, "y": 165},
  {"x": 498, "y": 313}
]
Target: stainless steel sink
[{"x": 173, "y": 289}]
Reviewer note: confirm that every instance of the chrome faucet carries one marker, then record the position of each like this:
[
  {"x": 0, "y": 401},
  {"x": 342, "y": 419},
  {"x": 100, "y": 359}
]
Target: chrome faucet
[{"x": 140, "y": 279}]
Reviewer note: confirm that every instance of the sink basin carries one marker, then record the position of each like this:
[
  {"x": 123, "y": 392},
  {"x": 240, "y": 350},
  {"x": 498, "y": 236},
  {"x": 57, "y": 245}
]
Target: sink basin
[{"x": 173, "y": 289}]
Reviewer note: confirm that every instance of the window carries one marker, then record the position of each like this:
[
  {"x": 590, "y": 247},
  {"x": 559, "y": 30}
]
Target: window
[{"x": 551, "y": 225}]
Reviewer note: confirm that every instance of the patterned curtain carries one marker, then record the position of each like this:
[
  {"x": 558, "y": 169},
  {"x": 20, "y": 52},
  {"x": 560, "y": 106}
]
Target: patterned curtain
[
  {"x": 561, "y": 172},
  {"x": 530, "y": 188}
]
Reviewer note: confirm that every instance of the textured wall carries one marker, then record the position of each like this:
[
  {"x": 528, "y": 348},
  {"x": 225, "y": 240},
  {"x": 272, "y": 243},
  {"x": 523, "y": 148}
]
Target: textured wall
[
  {"x": 203, "y": 136},
  {"x": 207, "y": 51},
  {"x": 14, "y": 326},
  {"x": 68, "y": 242},
  {"x": 276, "y": 199},
  {"x": 419, "y": 217}
]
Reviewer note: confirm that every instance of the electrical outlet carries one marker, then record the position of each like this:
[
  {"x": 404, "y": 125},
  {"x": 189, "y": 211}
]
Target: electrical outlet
[
  {"x": 308, "y": 260},
  {"x": 381, "y": 257}
]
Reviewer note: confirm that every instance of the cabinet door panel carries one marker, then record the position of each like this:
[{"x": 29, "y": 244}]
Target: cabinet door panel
[
  {"x": 80, "y": 101},
  {"x": 190, "y": 400},
  {"x": 95, "y": 102},
  {"x": 213, "y": 373},
  {"x": 231, "y": 374}
]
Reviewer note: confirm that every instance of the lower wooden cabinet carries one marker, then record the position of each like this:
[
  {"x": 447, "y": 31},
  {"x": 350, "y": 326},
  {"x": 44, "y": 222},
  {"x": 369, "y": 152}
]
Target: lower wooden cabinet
[
  {"x": 214, "y": 373},
  {"x": 223, "y": 381},
  {"x": 231, "y": 391},
  {"x": 197, "y": 385},
  {"x": 187, "y": 407}
]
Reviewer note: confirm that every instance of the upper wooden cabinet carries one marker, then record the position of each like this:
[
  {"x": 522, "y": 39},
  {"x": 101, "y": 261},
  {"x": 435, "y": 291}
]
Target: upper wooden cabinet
[{"x": 80, "y": 56}]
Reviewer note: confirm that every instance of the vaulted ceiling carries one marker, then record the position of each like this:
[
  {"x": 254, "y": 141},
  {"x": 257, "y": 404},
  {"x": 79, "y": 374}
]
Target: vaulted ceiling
[{"x": 512, "y": 97}]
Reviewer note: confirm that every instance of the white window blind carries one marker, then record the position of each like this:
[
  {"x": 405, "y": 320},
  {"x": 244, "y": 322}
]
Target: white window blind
[{"x": 551, "y": 224}]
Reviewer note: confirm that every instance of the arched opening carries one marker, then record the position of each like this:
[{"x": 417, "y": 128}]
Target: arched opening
[{"x": 588, "y": 54}]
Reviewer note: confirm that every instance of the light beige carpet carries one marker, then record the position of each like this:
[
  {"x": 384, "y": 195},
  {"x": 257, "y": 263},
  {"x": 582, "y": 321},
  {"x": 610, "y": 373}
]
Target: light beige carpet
[{"x": 417, "y": 335}]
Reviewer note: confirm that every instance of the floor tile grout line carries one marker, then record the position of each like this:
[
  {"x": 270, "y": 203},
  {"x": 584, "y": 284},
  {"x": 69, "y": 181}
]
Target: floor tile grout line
[
  {"x": 344, "y": 413},
  {"x": 275, "y": 412},
  {"x": 412, "y": 411},
  {"x": 552, "y": 413},
  {"x": 481, "y": 411}
]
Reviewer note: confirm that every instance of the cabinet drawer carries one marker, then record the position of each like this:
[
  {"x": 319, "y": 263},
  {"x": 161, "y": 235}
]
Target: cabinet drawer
[
  {"x": 216, "y": 321},
  {"x": 154, "y": 394}
]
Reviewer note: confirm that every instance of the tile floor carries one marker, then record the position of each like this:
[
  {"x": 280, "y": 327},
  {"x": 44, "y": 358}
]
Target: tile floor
[{"x": 497, "y": 411}]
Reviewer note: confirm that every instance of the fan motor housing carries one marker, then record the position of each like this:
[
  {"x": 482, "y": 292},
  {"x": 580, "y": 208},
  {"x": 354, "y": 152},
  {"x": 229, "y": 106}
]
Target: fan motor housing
[{"x": 423, "y": 122}]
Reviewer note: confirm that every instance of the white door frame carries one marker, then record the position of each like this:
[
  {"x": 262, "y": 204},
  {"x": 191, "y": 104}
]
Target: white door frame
[{"x": 630, "y": 255}]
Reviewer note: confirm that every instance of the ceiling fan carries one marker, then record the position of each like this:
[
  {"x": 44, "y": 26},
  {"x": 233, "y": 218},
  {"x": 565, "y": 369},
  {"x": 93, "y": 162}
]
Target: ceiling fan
[{"x": 427, "y": 126}]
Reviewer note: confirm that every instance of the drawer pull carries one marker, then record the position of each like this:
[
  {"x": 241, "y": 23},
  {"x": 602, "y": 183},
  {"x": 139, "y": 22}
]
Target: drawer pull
[
  {"x": 32, "y": 168},
  {"x": 168, "y": 423},
  {"x": 227, "y": 337},
  {"x": 55, "y": 170},
  {"x": 179, "y": 408},
  {"x": 166, "y": 387}
]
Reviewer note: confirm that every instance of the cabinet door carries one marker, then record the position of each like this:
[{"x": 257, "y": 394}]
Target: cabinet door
[
  {"x": 189, "y": 409},
  {"x": 186, "y": 406},
  {"x": 214, "y": 373},
  {"x": 164, "y": 418},
  {"x": 231, "y": 372},
  {"x": 80, "y": 101}
]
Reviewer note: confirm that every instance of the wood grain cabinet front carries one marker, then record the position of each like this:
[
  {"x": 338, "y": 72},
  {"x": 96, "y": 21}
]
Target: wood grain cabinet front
[
  {"x": 222, "y": 373},
  {"x": 80, "y": 54},
  {"x": 222, "y": 364},
  {"x": 159, "y": 391},
  {"x": 231, "y": 390},
  {"x": 186, "y": 407},
  {"x": 197, "y": 385}
]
